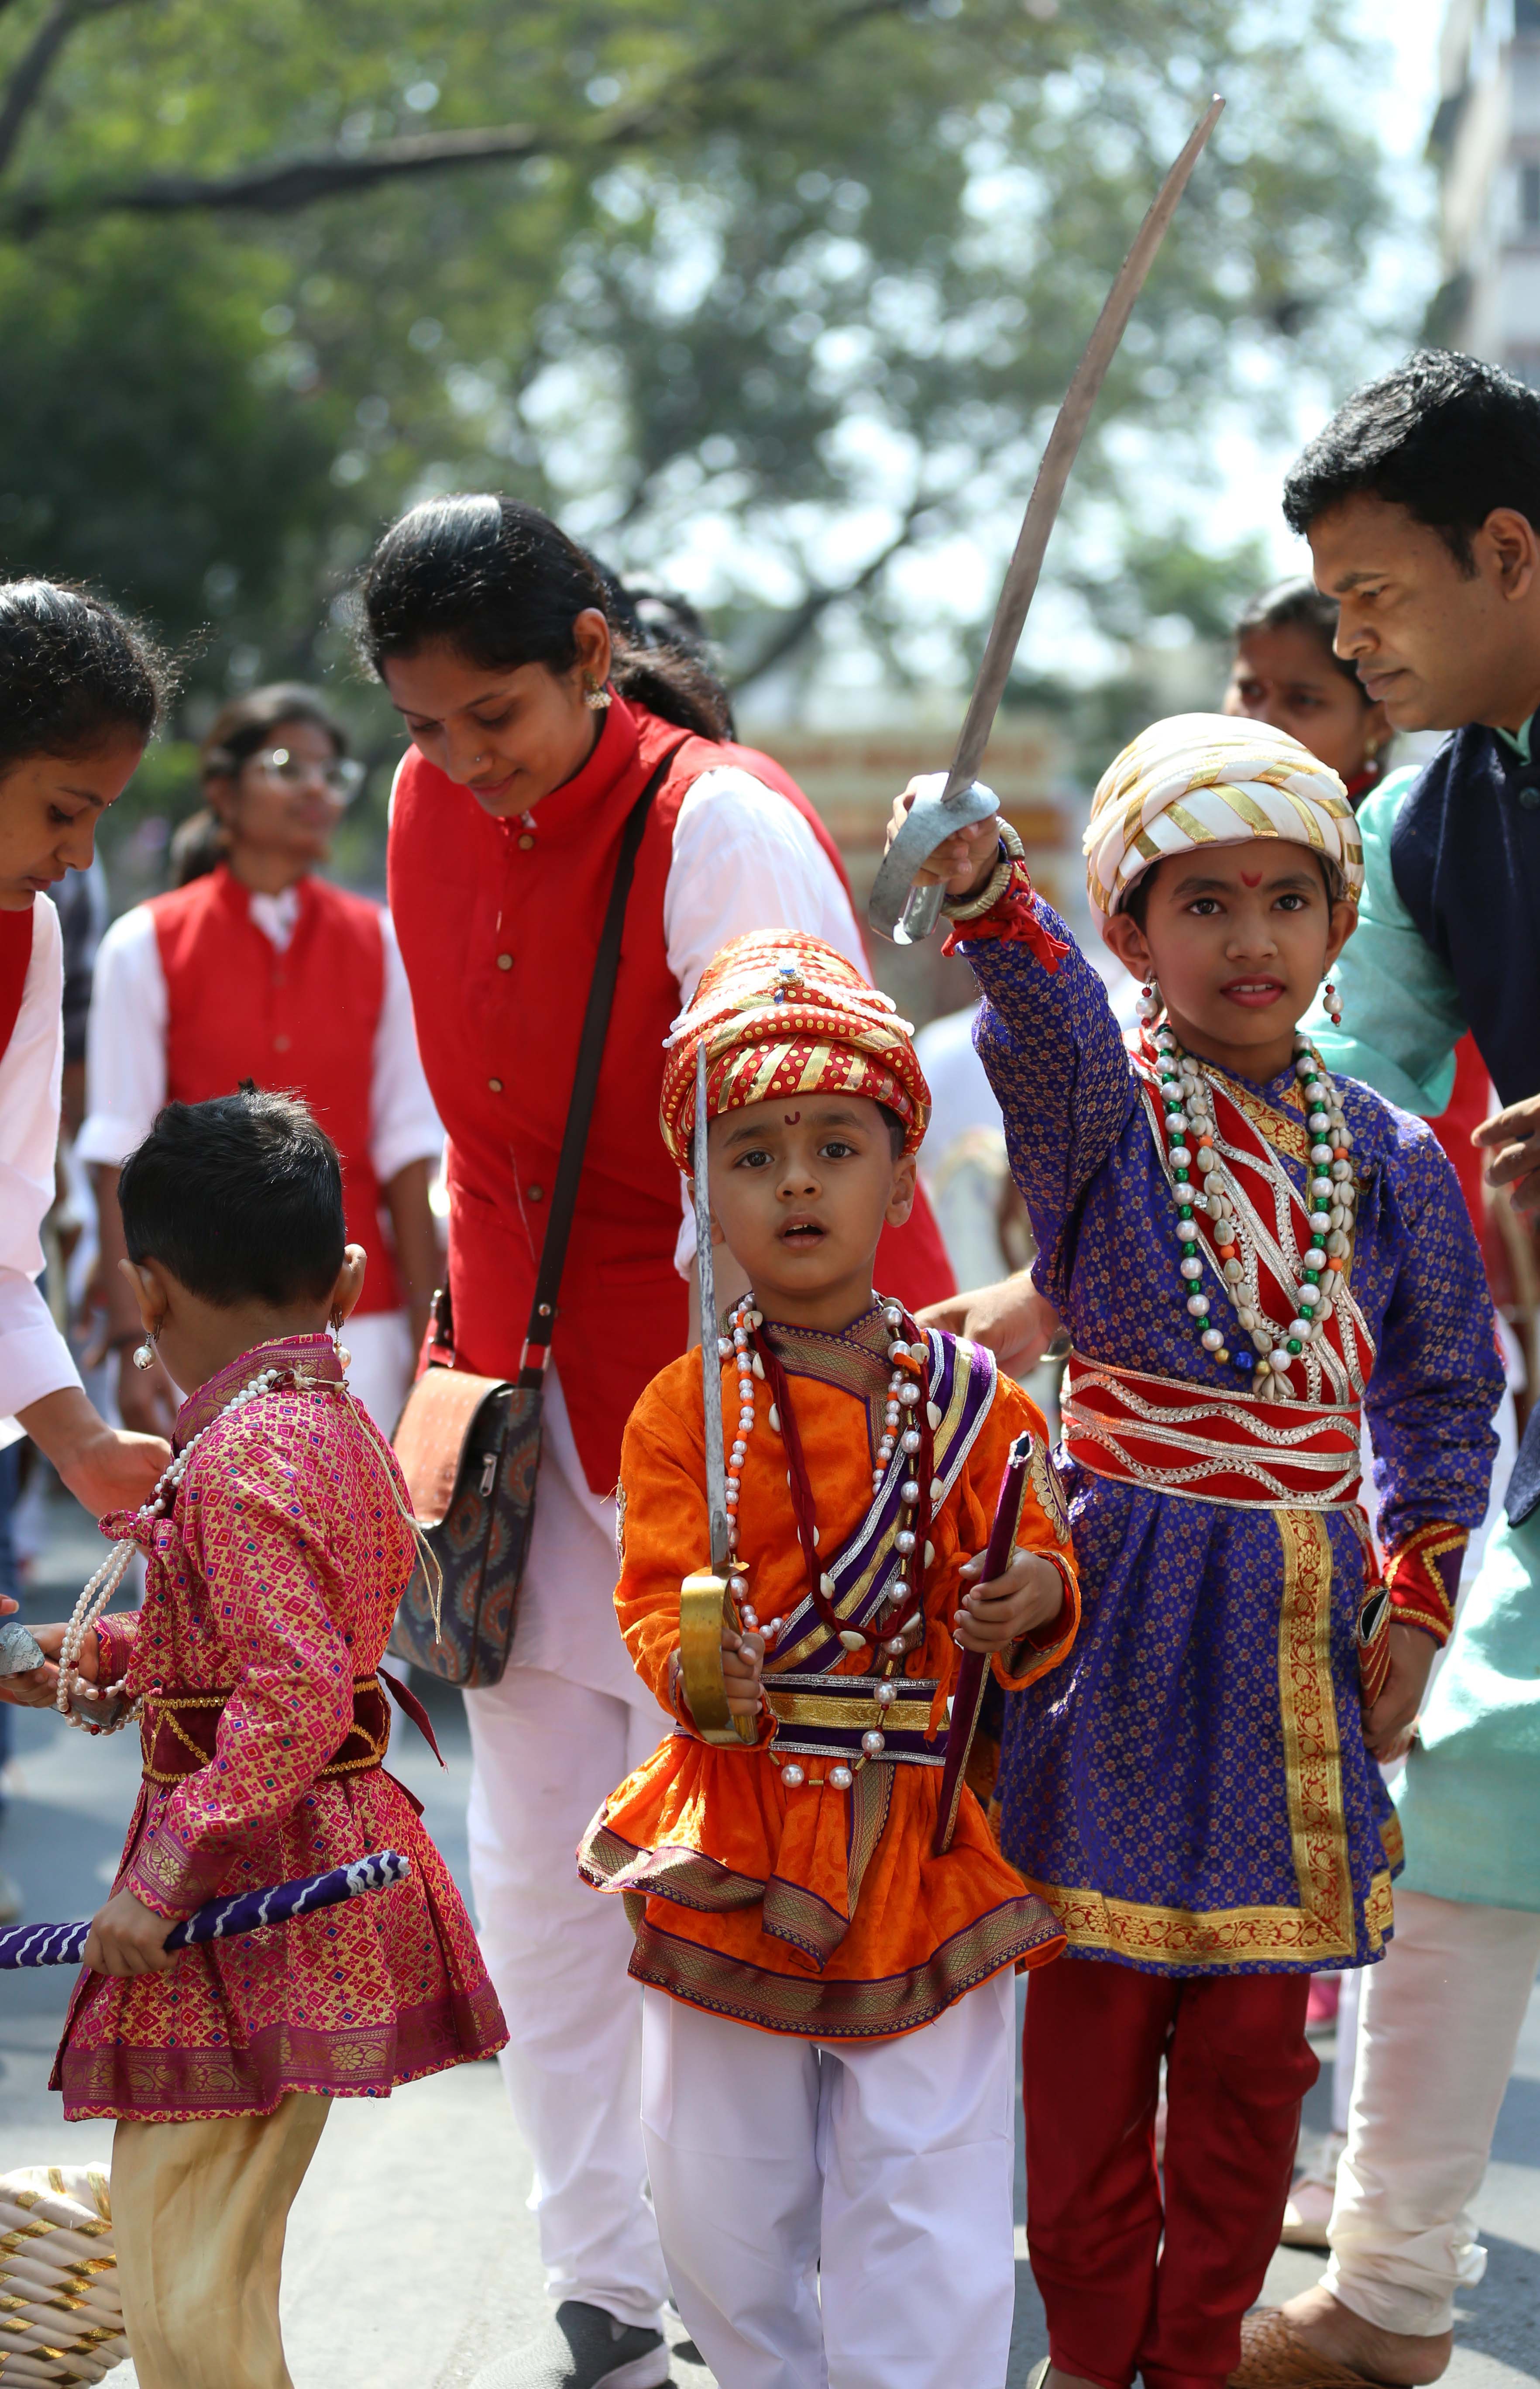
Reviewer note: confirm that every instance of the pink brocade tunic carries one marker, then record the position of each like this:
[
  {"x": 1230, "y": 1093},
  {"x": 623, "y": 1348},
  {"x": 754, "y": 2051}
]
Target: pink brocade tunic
[{"x": 274, "y": 1579}]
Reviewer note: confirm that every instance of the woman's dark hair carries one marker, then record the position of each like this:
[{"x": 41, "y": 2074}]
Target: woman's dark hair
[
  {"x": 1448, "y": 436},
  {"x": 502, "y": 585},
  {"x": 1299, "y": 606},
  {"x": 239, "y": 1198},
  {"x": 240, "y": 729},
  {"x": 73, "y": 672}
]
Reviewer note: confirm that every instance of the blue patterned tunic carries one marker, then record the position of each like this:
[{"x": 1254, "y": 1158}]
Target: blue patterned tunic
[{"x": 1195, "y": 1797}]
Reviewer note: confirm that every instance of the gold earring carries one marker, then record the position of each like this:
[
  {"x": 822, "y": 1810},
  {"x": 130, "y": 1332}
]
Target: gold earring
[{"x": 596, "y": 696}]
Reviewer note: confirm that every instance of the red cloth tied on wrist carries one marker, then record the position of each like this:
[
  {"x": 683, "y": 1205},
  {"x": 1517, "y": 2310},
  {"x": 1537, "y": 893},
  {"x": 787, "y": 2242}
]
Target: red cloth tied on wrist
[
  {"x": 1013, "y": 918},
  {"x": 1422, "y": 1579}
]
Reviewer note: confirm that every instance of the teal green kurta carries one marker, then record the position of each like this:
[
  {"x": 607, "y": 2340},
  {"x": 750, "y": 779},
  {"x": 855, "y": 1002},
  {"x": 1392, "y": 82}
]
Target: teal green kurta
[{"x": 1470, "y": 1800}]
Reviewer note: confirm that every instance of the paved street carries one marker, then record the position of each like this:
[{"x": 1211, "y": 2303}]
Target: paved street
[{"x": 411, "y": 2256}]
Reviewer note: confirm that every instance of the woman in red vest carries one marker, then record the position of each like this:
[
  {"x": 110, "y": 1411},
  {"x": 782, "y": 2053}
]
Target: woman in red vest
[
  {"x": 538, "y": 706},
  {"x": 255, "y": 968}
]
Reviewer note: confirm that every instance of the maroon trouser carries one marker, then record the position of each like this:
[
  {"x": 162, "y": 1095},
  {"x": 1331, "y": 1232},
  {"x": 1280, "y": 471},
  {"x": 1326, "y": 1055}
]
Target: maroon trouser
[{"x": 1237, "y": 2067}]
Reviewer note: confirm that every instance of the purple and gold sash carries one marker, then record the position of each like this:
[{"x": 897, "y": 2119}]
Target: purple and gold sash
[{"x": 961, "y": 1388}]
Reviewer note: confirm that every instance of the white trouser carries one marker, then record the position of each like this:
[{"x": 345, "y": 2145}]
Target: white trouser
[
  {"x": 888, "y": 2163},
  {"x": 549, "y": 1744},
  {"x": 1440, "y": 2019}
]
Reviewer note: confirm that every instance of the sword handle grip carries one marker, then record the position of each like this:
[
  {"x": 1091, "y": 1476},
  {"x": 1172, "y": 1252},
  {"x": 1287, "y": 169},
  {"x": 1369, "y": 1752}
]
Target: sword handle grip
[{"x": 707, "y": 1603}]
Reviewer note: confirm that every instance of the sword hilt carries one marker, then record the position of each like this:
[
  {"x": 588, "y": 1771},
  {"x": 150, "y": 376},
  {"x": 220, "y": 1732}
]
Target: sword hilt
[{"x": 898, "y": 908}]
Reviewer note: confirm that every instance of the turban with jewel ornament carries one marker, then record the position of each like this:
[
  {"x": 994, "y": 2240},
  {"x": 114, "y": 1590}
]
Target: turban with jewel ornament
[
  {"x": 781, "y": 1014},
  {"x": 1213, "y": 779}
]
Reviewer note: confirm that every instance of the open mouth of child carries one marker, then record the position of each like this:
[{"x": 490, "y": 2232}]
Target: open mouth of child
[{"x": 802, "y": 1236}]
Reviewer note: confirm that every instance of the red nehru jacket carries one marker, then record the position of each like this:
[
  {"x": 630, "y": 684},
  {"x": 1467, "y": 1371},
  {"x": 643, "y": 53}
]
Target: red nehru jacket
[
  {"x": 499, "y": 923},
  {"x": 300, "y": 1021}
]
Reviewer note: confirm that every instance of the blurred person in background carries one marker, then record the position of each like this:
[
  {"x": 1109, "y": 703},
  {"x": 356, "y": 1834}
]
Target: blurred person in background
[
  {"x": 540, "y": 701},
  {"x": 254, "y": 967}
]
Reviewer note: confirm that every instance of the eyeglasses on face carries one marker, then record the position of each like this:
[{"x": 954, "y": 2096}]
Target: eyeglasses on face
[{"x": 341, "y": 777}]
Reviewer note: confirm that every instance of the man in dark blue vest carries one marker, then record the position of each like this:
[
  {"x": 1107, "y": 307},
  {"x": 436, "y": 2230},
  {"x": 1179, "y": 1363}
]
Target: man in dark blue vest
[{"x": 1422, "y": 502}]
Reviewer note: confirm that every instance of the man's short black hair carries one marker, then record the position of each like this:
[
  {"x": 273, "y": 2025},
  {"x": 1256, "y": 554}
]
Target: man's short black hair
[
  {"x": 1448, "y": 436},
  {"x": 239, "y": 1198}
]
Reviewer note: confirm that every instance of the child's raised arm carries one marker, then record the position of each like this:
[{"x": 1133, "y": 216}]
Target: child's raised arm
[{"x": 1047, "y": 1035}]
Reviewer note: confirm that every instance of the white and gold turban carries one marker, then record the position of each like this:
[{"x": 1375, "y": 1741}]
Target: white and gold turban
[{"x": 1213, "y": 779}]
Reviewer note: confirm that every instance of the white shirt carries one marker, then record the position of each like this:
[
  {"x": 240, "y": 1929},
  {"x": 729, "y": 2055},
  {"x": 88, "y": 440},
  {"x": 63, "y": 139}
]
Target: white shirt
[
  {"x": 745, "y": 859},
  {"x": 125, "y": 1047},
  {"x": 34, "y": 1358}
]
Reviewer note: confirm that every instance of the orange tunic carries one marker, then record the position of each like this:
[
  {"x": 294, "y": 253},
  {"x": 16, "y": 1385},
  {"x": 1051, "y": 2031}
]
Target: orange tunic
[{"x": 812, "y": 1911}]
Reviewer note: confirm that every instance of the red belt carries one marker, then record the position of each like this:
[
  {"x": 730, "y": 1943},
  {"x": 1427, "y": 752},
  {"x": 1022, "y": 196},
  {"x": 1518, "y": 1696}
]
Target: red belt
[
  {"x": 178, "y": 1731},
  {"x": 1179, "y": 1437}
]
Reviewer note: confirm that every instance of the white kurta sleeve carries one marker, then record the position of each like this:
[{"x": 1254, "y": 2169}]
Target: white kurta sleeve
[
  {"x": 34, "y": 1358},
  {"x": 745, "y": 859},
  {"x": 403, "y": 1125},
  {"x": 125, "y": 1042}
]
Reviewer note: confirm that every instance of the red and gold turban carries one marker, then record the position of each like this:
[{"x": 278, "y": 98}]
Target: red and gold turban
[{"x": 781, "y": 1014}]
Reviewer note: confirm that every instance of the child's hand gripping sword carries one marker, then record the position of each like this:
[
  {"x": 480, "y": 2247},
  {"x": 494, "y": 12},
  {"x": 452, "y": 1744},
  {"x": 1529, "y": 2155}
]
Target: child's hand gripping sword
[
  {"x": 706, "y": 1600},
  {"x": 223, "y": 1920},
  {"x": 972, "y": 1676},
  {"x": 898, "y": 908}
]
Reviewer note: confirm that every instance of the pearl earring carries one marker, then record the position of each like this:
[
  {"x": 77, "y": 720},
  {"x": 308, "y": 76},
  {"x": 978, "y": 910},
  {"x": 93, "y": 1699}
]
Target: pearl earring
[
  {"x": 596, "y": 696},
  {"x": 1333, "y": 1005},
  {"x": 345, "y": 1359},
  {"x": 1150, "y": 1005},
  {"x": 143, "y": 1354}
]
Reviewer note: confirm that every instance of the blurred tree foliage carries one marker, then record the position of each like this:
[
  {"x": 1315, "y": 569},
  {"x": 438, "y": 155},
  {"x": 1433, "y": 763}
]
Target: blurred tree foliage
[{"x": 268, "y": 273}]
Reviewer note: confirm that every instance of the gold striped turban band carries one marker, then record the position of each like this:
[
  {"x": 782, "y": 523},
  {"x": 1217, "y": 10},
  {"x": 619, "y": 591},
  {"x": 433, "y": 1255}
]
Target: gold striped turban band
[{"x": 1207, "y": 779}]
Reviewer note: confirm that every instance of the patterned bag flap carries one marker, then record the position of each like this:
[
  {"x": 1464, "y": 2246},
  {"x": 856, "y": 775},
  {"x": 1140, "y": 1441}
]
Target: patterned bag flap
[{"x": 432, "y": 1434}]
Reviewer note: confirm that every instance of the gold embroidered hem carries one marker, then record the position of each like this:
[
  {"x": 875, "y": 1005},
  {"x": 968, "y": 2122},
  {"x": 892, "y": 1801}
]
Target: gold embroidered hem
[
  {"x": 1312, "y": 1752},
  {"x": 1229, "y": 1939},
  {"x": 1020, "y": 1932}
]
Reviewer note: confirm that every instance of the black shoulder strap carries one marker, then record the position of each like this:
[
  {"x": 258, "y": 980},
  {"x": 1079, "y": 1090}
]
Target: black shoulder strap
[{"x": 585, "y": 1086}]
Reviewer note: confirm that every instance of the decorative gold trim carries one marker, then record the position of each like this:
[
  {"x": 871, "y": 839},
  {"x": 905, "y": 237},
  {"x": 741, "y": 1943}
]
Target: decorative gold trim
[
  {"x": 1020, "y": 1930},
  {"x": 1312, "y": 1752},
  {"x": 1221, "y": 1937},
  {"x": 853, "y": 1711}
]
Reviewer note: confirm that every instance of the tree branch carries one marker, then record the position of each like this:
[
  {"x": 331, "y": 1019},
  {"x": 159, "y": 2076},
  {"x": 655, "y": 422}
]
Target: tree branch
[
  {"x": 36, "y": 63},
  {"x": 280, "y": 186},
  {"x": 816, "y": 603}
]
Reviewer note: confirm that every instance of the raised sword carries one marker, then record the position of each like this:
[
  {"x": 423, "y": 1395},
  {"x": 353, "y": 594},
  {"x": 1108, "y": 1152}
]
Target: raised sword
[{"x": 898, "y": 908}]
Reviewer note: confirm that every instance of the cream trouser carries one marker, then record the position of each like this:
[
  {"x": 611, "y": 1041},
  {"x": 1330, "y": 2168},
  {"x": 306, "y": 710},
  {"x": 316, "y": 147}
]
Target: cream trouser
[
  {"x": 888, "y": 2163},
  {"x": 1441, "y": 2018},
  {"x": 198, "y": 2215}
]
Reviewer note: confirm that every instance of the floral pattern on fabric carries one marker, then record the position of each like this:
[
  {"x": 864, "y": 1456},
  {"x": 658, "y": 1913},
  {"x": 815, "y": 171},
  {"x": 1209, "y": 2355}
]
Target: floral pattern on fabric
[
  {"x": 276, "y": 1580},
  {"x": 1151, "y": 1791}
]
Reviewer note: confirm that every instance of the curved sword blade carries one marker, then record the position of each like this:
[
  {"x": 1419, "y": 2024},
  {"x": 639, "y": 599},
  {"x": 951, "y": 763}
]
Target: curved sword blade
[{"x": 899, "y": 910}]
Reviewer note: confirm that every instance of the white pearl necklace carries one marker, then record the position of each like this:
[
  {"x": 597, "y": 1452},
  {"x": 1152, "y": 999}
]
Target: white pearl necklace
[
  {"x": 1188, "y": 1115},
  {"x": 903, "y": 1394},
  {"x": 89, "y": 1608}
]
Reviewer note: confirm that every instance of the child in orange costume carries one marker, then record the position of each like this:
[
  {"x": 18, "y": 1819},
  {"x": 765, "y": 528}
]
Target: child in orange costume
[{"x": 828, "y": 2018}]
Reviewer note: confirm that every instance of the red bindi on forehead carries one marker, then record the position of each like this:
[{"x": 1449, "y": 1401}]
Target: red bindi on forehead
[
  {"x": 1251, "y": 879},
  {"x": 792, "y": 1117}
]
